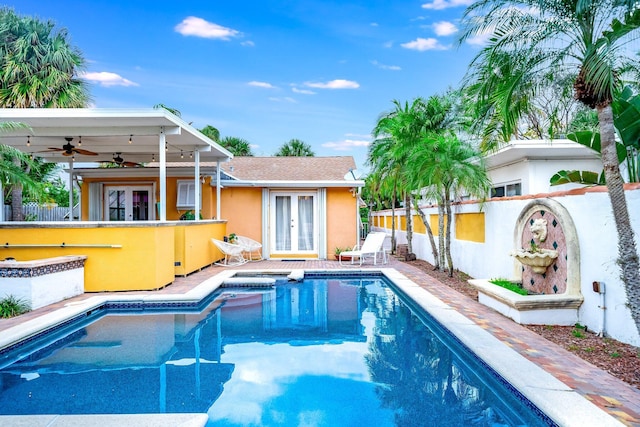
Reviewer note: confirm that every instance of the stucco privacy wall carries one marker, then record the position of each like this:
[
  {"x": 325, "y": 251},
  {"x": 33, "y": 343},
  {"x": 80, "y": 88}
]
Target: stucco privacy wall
[{"x": 591, "y": 212}]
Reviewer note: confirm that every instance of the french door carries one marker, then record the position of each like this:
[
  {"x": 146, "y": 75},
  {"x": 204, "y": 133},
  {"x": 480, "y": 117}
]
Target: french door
[
  {"x": 128, "y": 203},
  {"x": 294, "y": 223}
]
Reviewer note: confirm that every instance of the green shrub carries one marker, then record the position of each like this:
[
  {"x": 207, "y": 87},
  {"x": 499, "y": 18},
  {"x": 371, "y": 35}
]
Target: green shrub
[
  {"x": 11, "y": 306},
  {"x": 508, "y": 284}
]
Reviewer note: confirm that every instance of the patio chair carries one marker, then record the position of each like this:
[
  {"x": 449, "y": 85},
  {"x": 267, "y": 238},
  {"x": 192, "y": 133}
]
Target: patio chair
[
  {"x": 233, "y": 254},
  {"x": 251, "y": 248},
  {"x": 372, "y": 245}
]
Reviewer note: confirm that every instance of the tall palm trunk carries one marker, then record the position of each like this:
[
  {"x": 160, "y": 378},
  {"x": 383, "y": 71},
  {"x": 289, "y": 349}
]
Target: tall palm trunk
[
  {"x": 409, "y": 221},
  {"x": 393, "y": 222},
  {"x": 627, "y": 251},
  {"x": 447, "y": 232},
  {"x": 432, "y": 240},
  {"x": 441, "y": 238},
  {"x": 16, "y": 197}
]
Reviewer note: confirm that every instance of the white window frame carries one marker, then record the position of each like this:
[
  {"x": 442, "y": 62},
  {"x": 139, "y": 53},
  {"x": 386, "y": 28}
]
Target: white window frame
[
  {"x": 506, "y": 187},
  {"x": 186, "y": 194}
]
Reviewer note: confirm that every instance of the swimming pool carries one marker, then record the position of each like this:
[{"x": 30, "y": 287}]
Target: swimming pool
[{"x": 338, "y": 350}]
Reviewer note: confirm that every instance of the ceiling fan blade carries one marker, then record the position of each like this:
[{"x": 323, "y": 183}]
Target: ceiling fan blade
[
  {"x": 131, "y": 164},
  {"x": 84, "y": 152},
  {"x": 53, "y": 149}
]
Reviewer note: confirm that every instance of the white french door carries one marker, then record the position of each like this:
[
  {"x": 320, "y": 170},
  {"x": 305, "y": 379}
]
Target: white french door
[
  {"x": 294, "y": 223},
  {"x": 128, "y": 203}
]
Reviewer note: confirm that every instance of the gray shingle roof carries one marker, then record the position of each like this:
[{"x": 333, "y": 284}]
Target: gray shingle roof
[{"x": 289, "y": 168}]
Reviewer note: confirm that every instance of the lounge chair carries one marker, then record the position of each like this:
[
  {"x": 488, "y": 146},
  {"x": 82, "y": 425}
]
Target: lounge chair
[
  {"x": 372, "y": 245},
  {"x": 233, "y": 254},
  {"x": 252, "y": 249}
]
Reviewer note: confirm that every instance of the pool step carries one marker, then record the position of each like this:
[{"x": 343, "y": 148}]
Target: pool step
[{"x": 249, "y": 282}]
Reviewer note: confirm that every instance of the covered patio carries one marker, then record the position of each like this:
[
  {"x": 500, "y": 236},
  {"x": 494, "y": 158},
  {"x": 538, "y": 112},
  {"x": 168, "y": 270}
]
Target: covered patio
[{"x": 122, "y": 254}]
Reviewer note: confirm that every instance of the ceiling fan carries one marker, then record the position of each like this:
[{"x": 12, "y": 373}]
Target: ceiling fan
[
  {"x": 119, "y": 161},
  {"x": 69, "y": 150}
]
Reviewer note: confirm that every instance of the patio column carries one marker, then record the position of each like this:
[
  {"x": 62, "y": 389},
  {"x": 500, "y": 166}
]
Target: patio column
[
  {"x": 218, "y": 189},
  {"x": 162, "y": 141},
  {"x": 71, "y": 190},
  {"x": 197, "y": 188}
]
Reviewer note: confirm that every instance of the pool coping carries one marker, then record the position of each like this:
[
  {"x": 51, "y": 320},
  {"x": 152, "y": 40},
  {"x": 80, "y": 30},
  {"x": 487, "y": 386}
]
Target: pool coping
[{"x": 541, "y": 388}]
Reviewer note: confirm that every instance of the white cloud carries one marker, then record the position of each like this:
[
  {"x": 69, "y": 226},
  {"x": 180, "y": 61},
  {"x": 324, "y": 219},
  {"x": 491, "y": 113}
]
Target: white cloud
[
  {"x": 446, "y": 4},
  {"x": 479, "y": 40},
  {"x": 198, "y": 27},
  {"x": 303, "y": 91},
  {"x": 248, "y": 43},
  {"x": 388, "y": 45},
  {"x": 444, "y": 28},
  {"x": 105, "y": 78},
  {"x": 262, "y": 84},
  {"x": 346, "y": 144},
  {"x": 374, "y": 24},
  {"x": 334, "y": 84},
  {"x": 424, "y": 44},
  {"x": 386, "y": 67}
]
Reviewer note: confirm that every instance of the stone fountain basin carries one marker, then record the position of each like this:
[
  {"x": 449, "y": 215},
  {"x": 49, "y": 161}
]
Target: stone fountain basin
[
  {"x": 538, "y": 261},
  {"x": 557, "y": 309}
]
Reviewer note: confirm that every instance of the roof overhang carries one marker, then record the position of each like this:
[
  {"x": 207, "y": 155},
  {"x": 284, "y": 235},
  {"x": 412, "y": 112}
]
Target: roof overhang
[
  {"x": 292, "y": 184},
  {"x": 106, "y": 132},
  {"x": 520, "y": 150}
]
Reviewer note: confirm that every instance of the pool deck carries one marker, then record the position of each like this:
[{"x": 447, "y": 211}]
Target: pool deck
[{"x": 612, "y": 395}]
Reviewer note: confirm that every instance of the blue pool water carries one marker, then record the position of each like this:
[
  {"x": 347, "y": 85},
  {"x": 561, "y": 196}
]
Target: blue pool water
[{"x": 337, "y": 351}]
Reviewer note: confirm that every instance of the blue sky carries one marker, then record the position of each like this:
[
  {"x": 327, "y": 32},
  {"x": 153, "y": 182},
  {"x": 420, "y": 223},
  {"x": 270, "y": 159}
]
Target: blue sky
[{"x": 267, "y": 71}]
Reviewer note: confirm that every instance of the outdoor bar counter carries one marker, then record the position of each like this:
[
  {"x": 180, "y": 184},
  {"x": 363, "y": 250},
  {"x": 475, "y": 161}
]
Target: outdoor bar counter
[{"x": 121, "y": 256}]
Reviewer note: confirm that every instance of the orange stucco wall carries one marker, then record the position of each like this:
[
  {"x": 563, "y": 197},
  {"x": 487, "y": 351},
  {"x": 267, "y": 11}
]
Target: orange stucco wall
[
  {"x": 342, "y": 219},
  {"x": 207, "y": 209},
  {"x": 242, "y": 208}
]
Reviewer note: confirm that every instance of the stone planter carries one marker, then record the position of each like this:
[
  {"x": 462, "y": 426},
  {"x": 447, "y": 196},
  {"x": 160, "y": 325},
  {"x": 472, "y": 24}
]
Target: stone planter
[{"x": 559, "y": 309}]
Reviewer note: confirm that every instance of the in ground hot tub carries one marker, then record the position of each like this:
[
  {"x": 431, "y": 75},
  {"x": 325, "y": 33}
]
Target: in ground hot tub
[{"x": 42, "y": 282}]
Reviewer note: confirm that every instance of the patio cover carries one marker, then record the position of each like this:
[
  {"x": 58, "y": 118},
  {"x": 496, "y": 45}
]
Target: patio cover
[{"x": 155, "y": 135}]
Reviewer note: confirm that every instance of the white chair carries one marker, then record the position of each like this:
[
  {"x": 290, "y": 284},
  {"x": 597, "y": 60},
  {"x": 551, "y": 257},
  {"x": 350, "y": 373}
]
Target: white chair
[
  {"x": 373, "y": 244},
  {"x": 233, "y": 254},
  {"x": 251, "y": 248}
]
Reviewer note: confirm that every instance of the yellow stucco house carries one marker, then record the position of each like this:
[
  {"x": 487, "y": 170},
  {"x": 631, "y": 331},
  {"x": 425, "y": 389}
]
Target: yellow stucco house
[{"x": 129, "y": 224}]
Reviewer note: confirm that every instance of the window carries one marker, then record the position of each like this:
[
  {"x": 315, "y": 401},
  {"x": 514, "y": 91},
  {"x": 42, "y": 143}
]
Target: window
[
  {"x": 186, "y": 195},
  {"x": 508, "y": 190}
]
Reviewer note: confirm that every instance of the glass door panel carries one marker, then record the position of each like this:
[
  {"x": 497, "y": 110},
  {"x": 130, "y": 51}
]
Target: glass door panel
[
  {"x": 128, "y": 203},
  {"x": 294, "y": 223}
]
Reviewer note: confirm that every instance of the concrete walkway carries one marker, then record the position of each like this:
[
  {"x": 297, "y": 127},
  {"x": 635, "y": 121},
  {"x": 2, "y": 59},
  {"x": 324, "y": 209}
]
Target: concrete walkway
[{"x": 607, "y": 392}]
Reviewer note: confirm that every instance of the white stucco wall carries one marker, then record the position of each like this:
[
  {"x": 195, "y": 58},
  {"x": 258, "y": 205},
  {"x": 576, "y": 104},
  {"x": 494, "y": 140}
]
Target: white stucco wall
[{"x": 597, "y": 240}]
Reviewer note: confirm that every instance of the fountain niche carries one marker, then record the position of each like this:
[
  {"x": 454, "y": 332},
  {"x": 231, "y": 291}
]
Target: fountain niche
[{"x": 546, "y": 263}]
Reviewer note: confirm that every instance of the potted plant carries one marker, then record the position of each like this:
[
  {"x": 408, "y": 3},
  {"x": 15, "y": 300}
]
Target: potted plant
[
  {"x": 338, "y": 250},
  {"x": 231, "y": 238}
]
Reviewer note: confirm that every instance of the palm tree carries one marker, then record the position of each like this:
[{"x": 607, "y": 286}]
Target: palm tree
[
  {"x": 38, "y": 69},
  {"x": 448, "y": 167},
  {"x": 12, "y": 160},
  {"x": 211, "y": 132},
  {"x": 237, "y": 146},
  {"x": 295, "y": 148},
  {"x": 532, "y": 38},
  {"x": 38, "y": 66},
  {"x": 387, "y": 156},
  {"x": 396, "y": 134}
]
